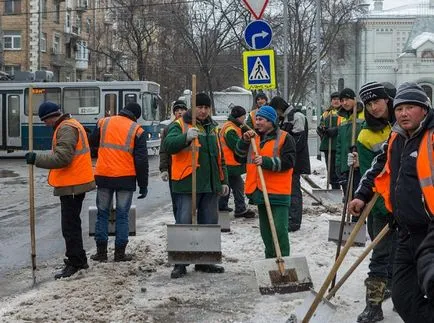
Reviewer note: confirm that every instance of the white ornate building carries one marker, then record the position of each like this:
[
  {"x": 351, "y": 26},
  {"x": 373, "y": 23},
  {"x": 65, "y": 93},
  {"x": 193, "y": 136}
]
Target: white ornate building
[{"x": 395, "y": 45}]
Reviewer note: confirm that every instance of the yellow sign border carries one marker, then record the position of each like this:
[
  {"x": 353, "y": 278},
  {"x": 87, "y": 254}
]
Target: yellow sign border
[{"x": 267, "y": 86}]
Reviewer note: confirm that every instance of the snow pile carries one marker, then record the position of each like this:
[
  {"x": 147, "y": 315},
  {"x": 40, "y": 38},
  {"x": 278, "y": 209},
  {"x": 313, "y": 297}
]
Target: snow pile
[{"x": 142, "y": 291}]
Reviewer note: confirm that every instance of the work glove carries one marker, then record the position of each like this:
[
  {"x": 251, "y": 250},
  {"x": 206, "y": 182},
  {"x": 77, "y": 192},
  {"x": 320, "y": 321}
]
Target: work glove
[
  {"x": 225, "y": 190},
  {"x": 143, "y": 191},
  {"x": 30, "y": 158},
  {"x": 192, "y": 133},
  {"x": 331, "y": 132},
  {"x": 353, "y": 159},
  {"x": 164, "y": 176}
]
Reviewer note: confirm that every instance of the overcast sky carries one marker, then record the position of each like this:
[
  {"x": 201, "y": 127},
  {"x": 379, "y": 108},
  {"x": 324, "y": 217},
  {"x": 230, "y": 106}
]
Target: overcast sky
[{"x": 387, "y": 4}]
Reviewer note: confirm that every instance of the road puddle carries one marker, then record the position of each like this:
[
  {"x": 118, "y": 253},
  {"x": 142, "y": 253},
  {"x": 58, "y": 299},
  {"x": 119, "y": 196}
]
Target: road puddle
[{"x": 4, "y": 173}]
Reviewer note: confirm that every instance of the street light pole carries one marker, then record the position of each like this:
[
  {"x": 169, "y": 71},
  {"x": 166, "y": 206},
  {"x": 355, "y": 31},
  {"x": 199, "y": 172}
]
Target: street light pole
[
  {"x": 318, "y": 73},
  {"x": 285, "y": 50}
]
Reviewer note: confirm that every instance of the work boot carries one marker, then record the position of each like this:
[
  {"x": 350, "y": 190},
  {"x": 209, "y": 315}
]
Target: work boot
[
  {"x": 69, "y": 270},
  {"x": 248, "y": 214},
  {"x": 120, "y": 254},
  {"x": 101, "y": 252},
  {"x": 375, "y": 288},
  {"x": 226, "y": 209},
  {"x": 209, "y": 269},
  {"x": 178, "y": 271}
]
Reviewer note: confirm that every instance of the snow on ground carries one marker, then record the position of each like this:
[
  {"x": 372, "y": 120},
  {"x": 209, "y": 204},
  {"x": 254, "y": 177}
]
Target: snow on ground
[{"x": 142, "y": 291}]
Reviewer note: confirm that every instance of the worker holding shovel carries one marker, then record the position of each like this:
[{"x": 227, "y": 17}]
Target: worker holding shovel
[
  {"x": 71, "y": 176},
  {"x": 406, "y": 185},
  {"x": 379, "y": 118},
  {"x": 276, "y": 156},
  {"x": 211, "y": 171}
]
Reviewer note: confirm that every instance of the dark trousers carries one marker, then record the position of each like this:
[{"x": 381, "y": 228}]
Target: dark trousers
[
  {"x": 381, "y": 264},
  {"x": 172, "y": 196},
  {"x": 407, "y": 296},
  {"x": 236, "y": 185},
  {"x": 356, "y": 180},
  {"x": 296, "y": 208},
  {"x": 334, "y": 179},
  {"x": 70, "y": 206}
]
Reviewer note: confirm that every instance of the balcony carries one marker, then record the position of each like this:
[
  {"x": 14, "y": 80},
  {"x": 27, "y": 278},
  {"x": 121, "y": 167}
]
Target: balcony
[
  {"x": 57, "y": 59},
  {"x": 81, "y": 6},
  {"x": 81, "y": 64}
]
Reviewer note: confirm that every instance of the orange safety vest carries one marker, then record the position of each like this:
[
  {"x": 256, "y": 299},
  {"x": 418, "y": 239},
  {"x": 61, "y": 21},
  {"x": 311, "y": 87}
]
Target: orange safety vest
[
  {"x": 182, "y": 160},
  {"x": 424, "y": 167},
  {"x": 116, "y": 146},
  {"x": 79, "y": 171},
  {"x": 279, "y": 182},
  {"x": 227, "y": 152}
]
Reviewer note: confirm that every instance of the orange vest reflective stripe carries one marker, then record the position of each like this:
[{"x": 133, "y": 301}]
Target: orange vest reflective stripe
[
  {"x": 182, "y": 160},
  {"x": 278, "y": 182},
  {"x": 424, "y": 167},
  {"x": 116, "y": 147},
  {"x": 79, "y": 171},
  {"x": 227, "y": 152}
]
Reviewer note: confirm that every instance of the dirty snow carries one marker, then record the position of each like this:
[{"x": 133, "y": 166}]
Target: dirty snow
[{"x": 141, "y": 291}]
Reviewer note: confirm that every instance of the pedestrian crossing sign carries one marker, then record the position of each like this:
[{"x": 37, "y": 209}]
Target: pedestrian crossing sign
[{"x": 259, "y": 71}]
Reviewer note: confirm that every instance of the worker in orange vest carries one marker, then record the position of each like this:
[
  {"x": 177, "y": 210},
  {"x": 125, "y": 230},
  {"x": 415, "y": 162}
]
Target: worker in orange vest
[
  {"x": 122, "y": 160},
  {"x": 406, "y": 184},
  {"x": 277, "y": 158},
  {"x": 230, "y": 134},
  {"x": 71, "y": 176}
]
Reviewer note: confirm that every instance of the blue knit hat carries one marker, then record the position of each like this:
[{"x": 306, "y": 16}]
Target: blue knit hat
[
  {"x": 48, "y": 109},
  {"x": 268, "y": 113}
]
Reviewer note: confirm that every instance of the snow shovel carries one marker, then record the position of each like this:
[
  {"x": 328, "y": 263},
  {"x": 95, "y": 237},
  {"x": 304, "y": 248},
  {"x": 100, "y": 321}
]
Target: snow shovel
[
  {"x": 270, "y": 281},
  {"x": 32, "y": 191},
  {"x": 310, "y": 314},
  {"x": 194, "y": 243}
]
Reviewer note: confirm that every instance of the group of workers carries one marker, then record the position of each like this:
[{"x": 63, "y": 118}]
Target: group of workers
[{"x": 385, "y": 142}]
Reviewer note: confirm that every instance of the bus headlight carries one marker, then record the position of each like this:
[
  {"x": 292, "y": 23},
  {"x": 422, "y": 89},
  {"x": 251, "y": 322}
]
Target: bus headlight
[
  {"x": 159, "y": 135},
  {"x": 149, "y": 135}
]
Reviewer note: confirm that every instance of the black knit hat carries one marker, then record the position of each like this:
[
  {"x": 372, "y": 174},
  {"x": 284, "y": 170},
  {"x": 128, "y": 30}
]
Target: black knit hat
[
  {"x": 334, "y": 95},
  {"x": 372, "y": 91},
  {"x": 203, "y": 99},
  {"x": 347, "y": 93},
  {"x": 238, "y": 111},
  {"x": 411, "y": 93},
  {"x": 134, "y": 108},
  {"x": 390, "y": 89},
  {"x": 179, "y": 104},
  {"x": 261, "y": 95},
  {"x": 48, "y": 109}
]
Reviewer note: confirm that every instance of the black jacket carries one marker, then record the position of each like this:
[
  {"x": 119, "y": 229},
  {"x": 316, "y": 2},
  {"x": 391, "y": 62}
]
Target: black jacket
[
  {"x": 425, "y": 263},
  {"x": 410, "y": 213},
  {"x": 140, "y": 154}
]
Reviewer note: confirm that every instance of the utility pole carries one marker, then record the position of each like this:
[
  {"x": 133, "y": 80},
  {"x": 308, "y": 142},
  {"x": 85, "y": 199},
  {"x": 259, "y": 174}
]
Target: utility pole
[
  {"x": 39, "y": 33},
  {"x": 318, "y": 73},
  {"x": 285, "y": 50}
]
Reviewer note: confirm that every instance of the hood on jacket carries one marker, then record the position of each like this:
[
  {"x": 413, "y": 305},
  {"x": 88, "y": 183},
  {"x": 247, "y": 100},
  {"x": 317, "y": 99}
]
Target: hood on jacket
[{"x": 127, "y": 113}]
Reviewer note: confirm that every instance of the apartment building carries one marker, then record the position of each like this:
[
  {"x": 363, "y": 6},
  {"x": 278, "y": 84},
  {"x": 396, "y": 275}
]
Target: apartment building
[{"x": 54, "y": 35}]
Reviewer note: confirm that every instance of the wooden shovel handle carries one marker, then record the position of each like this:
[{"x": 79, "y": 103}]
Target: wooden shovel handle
[
  {"x": 194, "y": 152},
  {"x": 340, "y": 259},
  {"x": 280, "y": 263},
  {"x": 329, "y": 156}
]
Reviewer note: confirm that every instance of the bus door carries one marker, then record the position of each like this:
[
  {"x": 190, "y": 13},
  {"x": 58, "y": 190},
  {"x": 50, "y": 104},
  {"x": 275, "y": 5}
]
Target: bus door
[
  {"x": 111, "y": 100},
  {"x": 12, "y": 129}
]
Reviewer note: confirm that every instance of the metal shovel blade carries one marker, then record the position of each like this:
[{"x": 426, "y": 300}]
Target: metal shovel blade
[
  {"x": 194, "y": 243},
  {"x": 334, "y": 227},
  {"x": 296, "y": 279},
  {"x": 324, "y": 313},
  {"x": 328, "y": 196}
]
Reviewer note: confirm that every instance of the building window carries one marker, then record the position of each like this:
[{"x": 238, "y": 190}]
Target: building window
[
  {"x": 56, "y": 12},
  {"x": 44, "y": 8},
  {"x": 428, "y": 53},
  {"x": 341, "y": 84},
  {"x": 78, "y": 22},
  {"x": 428, "y": 91},
  {"x": 43, "y": 42},
  {"x": 68, "y": 19},
  {"x": 12, "y": 69},
  {"x": 341, "y": 49},
  {"x": 12, "y": 7},
  {"x": 12, "y": 40},
  {"x": 88, "y": 22},
  {"x": 56, "y": 44}
]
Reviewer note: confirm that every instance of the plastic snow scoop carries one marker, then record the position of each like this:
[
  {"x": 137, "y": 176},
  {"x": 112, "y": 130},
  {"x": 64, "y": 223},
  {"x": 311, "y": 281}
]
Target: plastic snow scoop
[
  {"x": 311, "y": 314},
  {"x": 283, "y": 274},
  {"x": 329, "y": 208},
  {"x": 194, "y": 243}
]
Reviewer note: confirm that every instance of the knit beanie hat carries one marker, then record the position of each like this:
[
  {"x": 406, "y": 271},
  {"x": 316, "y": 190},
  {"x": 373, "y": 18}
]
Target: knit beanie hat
[
  {"x": 411, "y": 93},
  {"x": 334, "y": 95},
  {"x": 261, "y": 95},
  {"x": 347, "y": 94},
  {"x": 238, "y": 111},
  {"x": 372, "y": 91},
  {"x": 134, "y": 108},
  {"x": 48, "y": 109},
  {"x": 179, "y": 104},
  {"x": 268, "y": 113},
  {"x": 203, "y": 99},
  {"x": 390, "y": 89}
]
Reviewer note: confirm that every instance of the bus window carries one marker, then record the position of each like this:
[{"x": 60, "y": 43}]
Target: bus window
[
  {"x": 39, "y": 96},
  {"x": 13, "y": 116},
  {"x": 81, "y": 101},
  {"x": 130, "y": 98},
  {"x": 150, "y": 107},
  {"x": 110, "y": 108}
]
